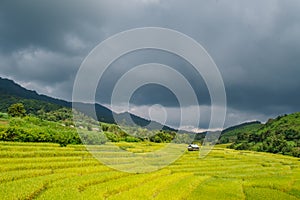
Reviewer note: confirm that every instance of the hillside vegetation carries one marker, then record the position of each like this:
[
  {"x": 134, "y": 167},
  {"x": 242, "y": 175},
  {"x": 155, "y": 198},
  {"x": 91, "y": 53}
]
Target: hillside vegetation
[
  {"x": 11, "y": 93},
  {"x": 280, "y": 135},
  {"x": 230, "y": 134},
  {"x": 32, "y": 129},
  {"x": 58, "y": 127}
]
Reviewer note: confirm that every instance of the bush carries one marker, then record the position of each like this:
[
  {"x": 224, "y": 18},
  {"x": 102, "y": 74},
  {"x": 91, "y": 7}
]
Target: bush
[
  {"x": 156, "y": 139},
  {"x": 296, "y": 152},
  {"x": 93, "y": 138},
  {"x": 162, "y": 137},
  {"x": 3, "y": 115},
  {"x": 131, "y": 139},
  {"x": 111, "y": 137},
  {"x": 242, "y": 146}
]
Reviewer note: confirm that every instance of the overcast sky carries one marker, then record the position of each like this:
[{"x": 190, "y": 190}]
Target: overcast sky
[{"x": 255, "y": 44}]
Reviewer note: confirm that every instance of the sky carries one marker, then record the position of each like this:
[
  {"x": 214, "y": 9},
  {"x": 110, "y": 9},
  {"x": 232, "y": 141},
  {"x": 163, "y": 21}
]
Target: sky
[{"x": 255, "y": 44}]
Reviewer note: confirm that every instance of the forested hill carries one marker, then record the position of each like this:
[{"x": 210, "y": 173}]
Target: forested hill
[
  {"x": 11, "y": 92},
  {"x": 230, "y": 134},
  {"x": 279, "y": 135},
  {"x": 10, "y": 88}
]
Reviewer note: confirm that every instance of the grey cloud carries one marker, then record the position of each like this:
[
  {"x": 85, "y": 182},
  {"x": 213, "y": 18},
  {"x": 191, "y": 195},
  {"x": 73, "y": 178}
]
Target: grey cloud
[
  {"x": 153, "y": 93},
  {"x": 49, "y": 24},
  {"x": 255, "y": 44}
]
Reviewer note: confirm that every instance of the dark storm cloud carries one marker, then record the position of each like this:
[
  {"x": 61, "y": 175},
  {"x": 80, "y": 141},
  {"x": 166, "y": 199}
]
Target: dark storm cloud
[
  {"x": 153, "y": 93},
  {"x": 42, "y": 43},
  {"x": 255, "y": 44},
  {"x": 53, "y": 25}
]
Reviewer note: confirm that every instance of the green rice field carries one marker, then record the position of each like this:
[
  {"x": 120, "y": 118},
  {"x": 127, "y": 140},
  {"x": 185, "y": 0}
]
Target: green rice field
[{"x": 48, "y": 171}]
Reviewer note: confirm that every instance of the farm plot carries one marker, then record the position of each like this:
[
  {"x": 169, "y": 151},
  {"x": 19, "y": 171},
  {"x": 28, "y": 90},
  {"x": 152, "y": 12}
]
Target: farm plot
[{"x": 48, "y": 171}]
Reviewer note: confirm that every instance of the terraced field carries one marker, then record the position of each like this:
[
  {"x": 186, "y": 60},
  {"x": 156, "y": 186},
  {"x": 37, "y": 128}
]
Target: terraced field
[{"x": 47, "y": 171}]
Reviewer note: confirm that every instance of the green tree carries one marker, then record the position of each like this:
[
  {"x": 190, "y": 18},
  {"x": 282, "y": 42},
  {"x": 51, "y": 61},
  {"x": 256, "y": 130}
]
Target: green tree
[{"x": 17, "y": 110}]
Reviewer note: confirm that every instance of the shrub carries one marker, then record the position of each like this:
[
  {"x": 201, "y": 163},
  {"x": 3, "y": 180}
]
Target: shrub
[
  {"x": 242, "y": 146},
  {"x": 131, "y": 139},
  {"x": 111, "y": 136},
  {"x": 93, "y": 138},
  {"x": 296, "y": 152}
]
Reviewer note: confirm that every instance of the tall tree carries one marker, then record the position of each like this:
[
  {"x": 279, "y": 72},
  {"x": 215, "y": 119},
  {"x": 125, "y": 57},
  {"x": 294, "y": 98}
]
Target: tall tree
[{"x": 17, "y": 110}]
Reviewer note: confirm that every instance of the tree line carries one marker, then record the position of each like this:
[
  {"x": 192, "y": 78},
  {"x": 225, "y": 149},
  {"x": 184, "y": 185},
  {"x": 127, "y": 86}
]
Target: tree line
[{"x": 57, "y": 126}]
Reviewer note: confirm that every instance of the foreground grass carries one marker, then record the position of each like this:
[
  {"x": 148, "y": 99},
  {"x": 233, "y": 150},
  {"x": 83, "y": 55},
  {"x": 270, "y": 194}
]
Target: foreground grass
[{"x": 47, "y": 171}]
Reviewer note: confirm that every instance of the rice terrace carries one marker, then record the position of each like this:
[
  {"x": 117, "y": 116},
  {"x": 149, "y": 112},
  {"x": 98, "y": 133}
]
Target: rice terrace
[{"x": 48, "y": 171}]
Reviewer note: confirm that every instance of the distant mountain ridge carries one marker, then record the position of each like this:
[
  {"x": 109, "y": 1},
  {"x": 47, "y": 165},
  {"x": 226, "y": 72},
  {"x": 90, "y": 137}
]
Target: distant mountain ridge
[
  {"x": 9, "y": 87},
  {"x": 11, "y": 92}
]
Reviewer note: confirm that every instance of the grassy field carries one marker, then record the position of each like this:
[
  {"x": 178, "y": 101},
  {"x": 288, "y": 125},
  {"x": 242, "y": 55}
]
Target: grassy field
[{"x": 47, "y": 171}]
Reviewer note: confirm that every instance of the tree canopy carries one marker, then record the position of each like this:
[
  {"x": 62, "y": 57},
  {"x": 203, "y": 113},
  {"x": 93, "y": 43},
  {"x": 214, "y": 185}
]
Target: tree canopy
[{"x": 17, "y": 110}]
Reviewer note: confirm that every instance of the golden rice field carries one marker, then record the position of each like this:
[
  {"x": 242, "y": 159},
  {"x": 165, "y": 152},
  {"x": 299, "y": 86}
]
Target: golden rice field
[{"x": 47, "y": 171}]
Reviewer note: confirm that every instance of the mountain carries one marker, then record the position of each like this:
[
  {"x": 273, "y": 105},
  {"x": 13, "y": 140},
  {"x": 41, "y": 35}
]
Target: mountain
[
  {"x": 152, "y": 125},
  {"x": 11, "y": 92},
  {"x": 10, "y": 88},
  {"x": 279, "y": 135}
]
